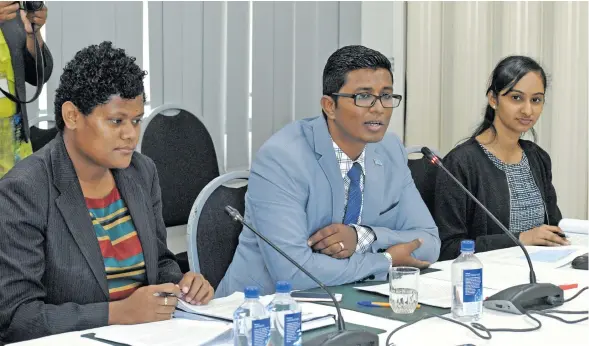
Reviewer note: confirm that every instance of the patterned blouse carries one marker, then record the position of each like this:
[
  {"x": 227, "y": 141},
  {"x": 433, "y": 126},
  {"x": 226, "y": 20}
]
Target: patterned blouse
[{"x": 526, "y": 208}]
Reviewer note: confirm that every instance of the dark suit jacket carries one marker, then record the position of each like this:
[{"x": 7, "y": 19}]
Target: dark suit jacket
[
  {"x": 23, "y": 63},
  {"x": 52, "y": 271}
]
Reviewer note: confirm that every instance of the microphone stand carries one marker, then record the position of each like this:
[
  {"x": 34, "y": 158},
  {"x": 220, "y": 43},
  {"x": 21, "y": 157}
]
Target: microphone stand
[
  {"x": 516, "y": 299},
  {"x": 341, "y": 337}
]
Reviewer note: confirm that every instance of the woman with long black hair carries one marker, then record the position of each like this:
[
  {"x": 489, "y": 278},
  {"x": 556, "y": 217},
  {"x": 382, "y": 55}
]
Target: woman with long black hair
[{"x": 509, "y": 175}]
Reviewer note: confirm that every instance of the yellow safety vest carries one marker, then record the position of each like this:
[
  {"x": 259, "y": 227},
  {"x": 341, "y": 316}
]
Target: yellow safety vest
[{"x": 7, "y": 107}]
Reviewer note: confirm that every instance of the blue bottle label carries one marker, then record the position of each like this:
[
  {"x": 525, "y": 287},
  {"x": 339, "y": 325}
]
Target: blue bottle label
[
  {"x": 261, "y": 332},
  {"x": 292, "y": 329},
  {"x": 472, "y": 291}
]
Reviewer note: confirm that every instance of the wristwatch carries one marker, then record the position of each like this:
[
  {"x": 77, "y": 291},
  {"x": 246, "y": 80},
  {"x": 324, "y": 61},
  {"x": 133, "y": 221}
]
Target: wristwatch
[{"x": 389, "y": 257}]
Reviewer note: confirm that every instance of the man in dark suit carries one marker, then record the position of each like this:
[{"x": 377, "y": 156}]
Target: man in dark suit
[{"x": 83, "y": 238}]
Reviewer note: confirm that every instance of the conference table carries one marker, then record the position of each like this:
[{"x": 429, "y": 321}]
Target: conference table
[{"x": 435, "y": 331}]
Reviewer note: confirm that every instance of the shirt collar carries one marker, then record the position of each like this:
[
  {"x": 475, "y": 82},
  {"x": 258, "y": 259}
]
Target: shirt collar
[{"x": 345, "y": 162}]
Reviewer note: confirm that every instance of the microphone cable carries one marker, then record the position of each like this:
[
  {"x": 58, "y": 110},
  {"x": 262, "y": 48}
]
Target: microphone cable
[{"x": 477, "y": 326}]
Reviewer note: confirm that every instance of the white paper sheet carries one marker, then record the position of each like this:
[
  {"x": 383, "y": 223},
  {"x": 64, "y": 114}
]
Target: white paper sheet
[
  {"x": 498, "y": 276},
  {"x": 166, "y": 333},
  {"x": 577, "y": 239},
  {"x": 222, "y": 308},
  {"x": 316, "y": 320},
  {"x": 432, "y": 291},
  {"x": 574, "y": 226},
  {"x": 540, "y": 255}
]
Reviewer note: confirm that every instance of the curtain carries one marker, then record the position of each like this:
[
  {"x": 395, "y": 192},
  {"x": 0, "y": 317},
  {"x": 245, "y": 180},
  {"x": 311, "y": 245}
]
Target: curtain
[{"x": 453, "y": 48}]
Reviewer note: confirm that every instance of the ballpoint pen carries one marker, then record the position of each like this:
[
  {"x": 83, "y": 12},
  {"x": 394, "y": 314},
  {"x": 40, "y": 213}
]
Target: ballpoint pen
[{"x": 378, "y": 304}]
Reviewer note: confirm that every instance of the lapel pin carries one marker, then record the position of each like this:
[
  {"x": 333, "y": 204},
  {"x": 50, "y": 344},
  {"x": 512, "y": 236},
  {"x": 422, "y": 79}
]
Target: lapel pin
[{"x": 377, "y": 162}]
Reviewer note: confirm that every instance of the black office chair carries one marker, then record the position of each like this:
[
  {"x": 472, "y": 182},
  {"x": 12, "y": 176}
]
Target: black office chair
[
  {"x": 424, "y": 176},
  {"x": 212, "y": 235},
  {"x": 184, "y": 154},
  {"x": 40, "y": 137}
]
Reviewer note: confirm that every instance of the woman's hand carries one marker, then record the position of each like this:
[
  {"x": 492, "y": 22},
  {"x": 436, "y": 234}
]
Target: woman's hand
[
  {"x": 544, "y": 236},
  {"x": 196, "y": 289}
]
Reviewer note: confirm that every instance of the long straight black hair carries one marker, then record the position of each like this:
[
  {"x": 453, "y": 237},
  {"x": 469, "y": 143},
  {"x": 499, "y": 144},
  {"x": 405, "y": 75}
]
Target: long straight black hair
[{"x": 505, "y": 76}]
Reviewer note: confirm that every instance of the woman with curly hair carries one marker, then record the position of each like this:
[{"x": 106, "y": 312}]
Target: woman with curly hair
[{"x": 83, "y": 238}]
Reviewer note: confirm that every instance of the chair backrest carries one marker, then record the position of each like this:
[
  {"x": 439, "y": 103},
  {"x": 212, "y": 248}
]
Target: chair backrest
[
  {"x": 424, "y": 175},
  {"x": 40, "y": 137},
  {"x": 212, "y": 235},
  {"x": 184, "y": 154}
]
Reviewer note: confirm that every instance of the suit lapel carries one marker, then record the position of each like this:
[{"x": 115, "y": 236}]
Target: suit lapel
[
  {"x": 328, "y": 163},
  {"x": 373, "y": 185},
  {"x": 135, "y": 200},
  {"x": 72, "y": 206}
]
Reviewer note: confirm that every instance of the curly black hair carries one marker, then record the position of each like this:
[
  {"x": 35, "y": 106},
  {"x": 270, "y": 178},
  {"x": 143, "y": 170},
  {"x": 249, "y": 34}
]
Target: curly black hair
[{"x": 94, "y": 75}]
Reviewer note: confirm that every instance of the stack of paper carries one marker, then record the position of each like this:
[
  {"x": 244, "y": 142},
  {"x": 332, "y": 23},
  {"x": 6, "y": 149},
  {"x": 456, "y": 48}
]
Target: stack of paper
[
  {"x": 223, "y": 309},
  {"x": 574, "y": 226},
  {"x": 577, "y": 231},
  {"x": 220, "y": 308}
]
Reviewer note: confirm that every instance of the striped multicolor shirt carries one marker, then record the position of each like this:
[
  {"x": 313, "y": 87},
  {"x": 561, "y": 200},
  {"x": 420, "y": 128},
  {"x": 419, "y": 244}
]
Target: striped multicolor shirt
[{"x": 120, "y": 246}]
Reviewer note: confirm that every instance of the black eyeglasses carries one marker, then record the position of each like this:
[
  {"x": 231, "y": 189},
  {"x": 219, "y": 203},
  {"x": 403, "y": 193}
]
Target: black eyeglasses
[{"x": 367, "y": 100}]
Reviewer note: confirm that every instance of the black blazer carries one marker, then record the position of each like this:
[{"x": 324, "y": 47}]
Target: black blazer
[
  {"x": 52, "y": 271},
  {"x": 459, "y": 218}
]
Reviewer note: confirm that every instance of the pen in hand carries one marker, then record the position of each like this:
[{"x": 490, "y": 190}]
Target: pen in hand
[{"x": 166, "y": 294}]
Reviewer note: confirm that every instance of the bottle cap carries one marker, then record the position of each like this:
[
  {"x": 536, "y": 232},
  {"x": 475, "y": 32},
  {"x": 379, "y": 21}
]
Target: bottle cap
[
  {"x": 252, "y": 292},
  {"x": 282, "y": 287},
  {"x": 467, "y": 246}
]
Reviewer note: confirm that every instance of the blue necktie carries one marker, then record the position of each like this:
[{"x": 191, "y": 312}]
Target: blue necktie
[{"x": 354, "y": 195}]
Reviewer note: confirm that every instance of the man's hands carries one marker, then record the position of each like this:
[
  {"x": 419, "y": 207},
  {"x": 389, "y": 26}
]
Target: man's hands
[
  {"x": 543, "y": 235},
  {"x": 329, "y": 240},
  {"x": 336, "y": 240},
  {"x": 145, "y": 305},
  {"x": 401, "y": 254},
  {"x": 196, "y": 289}
]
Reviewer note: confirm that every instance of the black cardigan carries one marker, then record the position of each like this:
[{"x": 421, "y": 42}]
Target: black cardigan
[{"x": 459, "y": 218}]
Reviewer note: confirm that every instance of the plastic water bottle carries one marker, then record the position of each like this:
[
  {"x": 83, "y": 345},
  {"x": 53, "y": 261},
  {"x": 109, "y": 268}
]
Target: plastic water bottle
[
  {"x": 251, "y": 321},
  {"x": 467, "y": 284},
  {"x": 285, "y": 318}
]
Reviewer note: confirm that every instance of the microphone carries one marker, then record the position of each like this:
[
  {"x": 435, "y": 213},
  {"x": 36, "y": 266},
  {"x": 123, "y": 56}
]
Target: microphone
[
  {"x": 517, "y": 299},
  {"x": 341, "y": 337}
]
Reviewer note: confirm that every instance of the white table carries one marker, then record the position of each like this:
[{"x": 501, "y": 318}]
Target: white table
[
  {"x": 429, "y": 332},
  {"x": 435, "y": 331}
]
